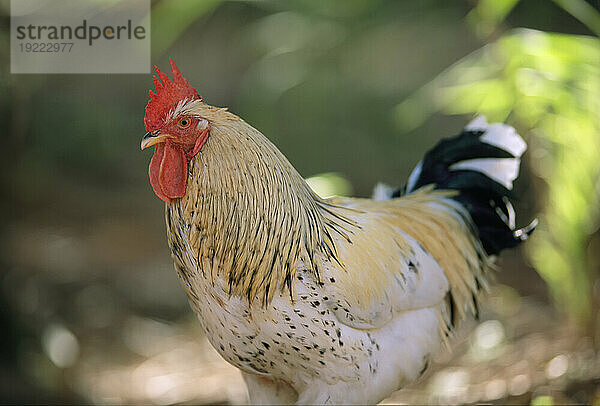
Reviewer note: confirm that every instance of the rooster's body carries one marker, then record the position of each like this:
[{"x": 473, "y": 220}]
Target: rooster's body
[{"x": 327, "y": 300}]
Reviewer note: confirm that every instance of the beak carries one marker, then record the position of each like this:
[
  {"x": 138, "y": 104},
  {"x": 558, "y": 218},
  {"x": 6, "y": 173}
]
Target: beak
[{"x": 153, "y": 138}]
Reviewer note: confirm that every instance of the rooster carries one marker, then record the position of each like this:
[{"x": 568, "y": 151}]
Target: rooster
[{"x": 325, "y": 301}]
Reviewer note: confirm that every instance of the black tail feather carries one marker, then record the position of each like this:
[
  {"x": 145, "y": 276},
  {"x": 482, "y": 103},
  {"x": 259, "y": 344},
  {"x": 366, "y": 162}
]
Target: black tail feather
[{"x": 484, "y": 190}]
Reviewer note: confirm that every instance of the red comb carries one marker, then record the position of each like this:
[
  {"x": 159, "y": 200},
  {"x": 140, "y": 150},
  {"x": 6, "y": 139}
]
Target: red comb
[{"x": 168, "y": 94}]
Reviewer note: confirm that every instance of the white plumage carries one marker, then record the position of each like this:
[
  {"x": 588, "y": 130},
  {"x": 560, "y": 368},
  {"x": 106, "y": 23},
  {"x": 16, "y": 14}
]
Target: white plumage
[{"x": 502, "y": 170}]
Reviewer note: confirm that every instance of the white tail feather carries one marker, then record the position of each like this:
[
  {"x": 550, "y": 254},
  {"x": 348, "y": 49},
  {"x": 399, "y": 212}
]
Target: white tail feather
[
  {"x": 414, "y": 177},
  {"x": 505, "y": 137},
  {"x": 499, "y": 135},
  {"x": 381, "y": 191},
  {"x": 503, "y": 170},
  {"x": 478, "y": 123}
]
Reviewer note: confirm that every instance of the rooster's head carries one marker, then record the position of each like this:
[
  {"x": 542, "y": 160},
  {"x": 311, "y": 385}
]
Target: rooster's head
[{"x": 177, "y": 135}]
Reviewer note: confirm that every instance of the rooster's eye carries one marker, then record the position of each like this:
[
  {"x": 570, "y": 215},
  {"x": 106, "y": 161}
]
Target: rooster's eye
[{"x": 184, "y": 123}]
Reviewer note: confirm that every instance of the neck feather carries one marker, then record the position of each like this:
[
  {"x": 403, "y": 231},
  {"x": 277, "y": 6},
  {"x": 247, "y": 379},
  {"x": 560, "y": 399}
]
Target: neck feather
[{"x": 249, "y": 215}]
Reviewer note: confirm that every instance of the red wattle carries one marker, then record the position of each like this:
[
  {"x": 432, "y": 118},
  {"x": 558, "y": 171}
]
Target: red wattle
[
  {"x": 173, "y": 171},
  {"x": 168, "y": 171},
  {"x": 154, "y": 171}
]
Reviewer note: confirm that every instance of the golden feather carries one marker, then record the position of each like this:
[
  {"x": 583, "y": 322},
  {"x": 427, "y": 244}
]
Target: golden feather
[{"x": 249, "y": 217}]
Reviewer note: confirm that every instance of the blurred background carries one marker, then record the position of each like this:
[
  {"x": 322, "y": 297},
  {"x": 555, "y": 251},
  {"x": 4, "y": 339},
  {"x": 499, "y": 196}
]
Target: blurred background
[{"x": 353, "y": 92}]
